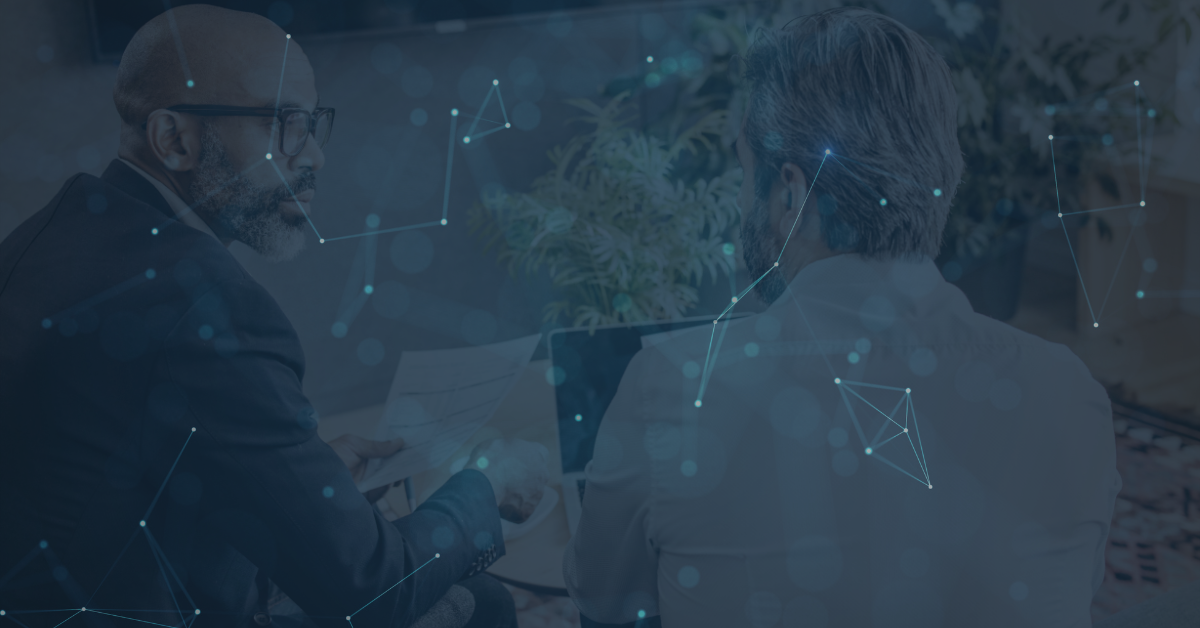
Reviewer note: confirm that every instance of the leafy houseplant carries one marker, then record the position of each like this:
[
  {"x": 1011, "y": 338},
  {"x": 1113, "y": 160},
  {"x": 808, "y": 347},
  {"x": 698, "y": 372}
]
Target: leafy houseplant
[{"x": 621, "y": 238}]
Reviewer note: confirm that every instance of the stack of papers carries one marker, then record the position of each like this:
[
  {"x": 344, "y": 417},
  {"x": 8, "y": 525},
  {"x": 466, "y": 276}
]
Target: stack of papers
[{"x": 439, "y": 399}]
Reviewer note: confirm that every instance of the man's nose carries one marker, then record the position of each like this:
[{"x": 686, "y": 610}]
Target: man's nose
[{"x": 311, "y": 156}]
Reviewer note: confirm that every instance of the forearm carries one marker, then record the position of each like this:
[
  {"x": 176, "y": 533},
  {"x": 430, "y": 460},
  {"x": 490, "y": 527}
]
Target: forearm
[{"x": 461, "y": 523}]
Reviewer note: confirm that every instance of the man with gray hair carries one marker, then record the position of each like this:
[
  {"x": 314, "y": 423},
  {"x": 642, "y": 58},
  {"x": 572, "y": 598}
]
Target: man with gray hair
[{"x": 868, "y": 451}]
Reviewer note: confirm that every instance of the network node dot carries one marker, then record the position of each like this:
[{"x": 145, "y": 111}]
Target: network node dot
[
  {"x": 454, "y": 112},
  {"x": 1051, "y": 137},
  {"x": 467, "y": 140},
  {"x": 776, "y": 263},
  {"x": 578, "y": 418},
  {"x": 734, "y": 299},
  {"x": 268, "y": 156},
  {"x": 714, "y": 322},
  {"x": 368, "y": 288},
  {"x": 641, "y": 614},
  {"x": 197, "y": 611},
  {"x": 907, "y": 390},
  {"x": 193, "y": 429},
  {"x": 154, "y": 231},
  {"x": 868, "y": 450},
  {"x": 1060, "y": 214},
  {"x": 191, "y": 84},
  {"x": 437, "y": 555},
  {"x": 1141, "y": 294},
  {"x": 508, "y": 125},
  {"x": 931, "y": 486},
  {"x": 826, "y": 151},
  {"x": 937, "y": 191},
  {"x": 322, "y": 240},
  {"x": 495, "y": 81},
  {"x": 289, "y": 35},
  {"x": 1143, "y": 203},
  {"x": 142, "y": 523},
  {"x": 444, "y": 221},
  {"x": 906, "y": 430},
  {"x": 347, "y": 618},
  {"x": 2, "y": 613},
  {"x": 1095, "y": 324},
  {"x": 82, "y": 608},
  {"x": 1136, "y": 83},
  {"x": 837, "y": 380},
  {"x": 649, "y": 58},
  {"x": 698, "y": 404},
  {"x": 883, "y": 201},
  {"x": 482, "y": 463}
]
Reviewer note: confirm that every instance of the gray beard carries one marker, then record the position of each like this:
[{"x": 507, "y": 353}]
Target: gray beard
[
  {"x": 243, "y": 211},
  {"x": 759, "y": 255}
]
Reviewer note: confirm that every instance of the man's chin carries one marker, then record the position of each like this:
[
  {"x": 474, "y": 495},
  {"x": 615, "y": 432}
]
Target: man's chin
[{"x": 284, "y": 246}]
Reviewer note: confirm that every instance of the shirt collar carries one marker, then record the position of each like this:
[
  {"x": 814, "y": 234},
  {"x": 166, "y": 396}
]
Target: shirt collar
[
  {"x": 913, "y": 277},
  {"x": 182, "y": 212},
  {"x": 844, "y": 282}
]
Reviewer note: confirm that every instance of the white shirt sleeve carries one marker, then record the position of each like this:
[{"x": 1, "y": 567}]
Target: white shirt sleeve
[{"x": 611, "y": 565}]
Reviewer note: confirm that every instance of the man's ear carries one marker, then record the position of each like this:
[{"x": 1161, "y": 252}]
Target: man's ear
[
  {"x": 174, "y": 140},
  {"x": 793, "y": 189}
]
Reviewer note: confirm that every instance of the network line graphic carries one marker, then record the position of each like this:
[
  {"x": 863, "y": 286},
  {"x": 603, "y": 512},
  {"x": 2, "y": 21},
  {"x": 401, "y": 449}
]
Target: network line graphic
[
  {"x": 881, "y": 437},
  {"x": 361, "y": 282},
  {"x": 187, "y": 612},
  {"x": 373, "y": 223},
  {"x": 1136, "y": 216},
  {"x": 889, "y": 425}
]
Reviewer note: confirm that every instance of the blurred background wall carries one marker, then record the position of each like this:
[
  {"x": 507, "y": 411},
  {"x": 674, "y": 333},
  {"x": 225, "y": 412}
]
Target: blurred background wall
[{"x": 395, "y": 69}]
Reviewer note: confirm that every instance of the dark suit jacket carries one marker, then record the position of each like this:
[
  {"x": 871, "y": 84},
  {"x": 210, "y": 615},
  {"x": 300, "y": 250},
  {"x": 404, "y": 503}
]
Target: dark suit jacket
[{"x": 115, "y": 342}]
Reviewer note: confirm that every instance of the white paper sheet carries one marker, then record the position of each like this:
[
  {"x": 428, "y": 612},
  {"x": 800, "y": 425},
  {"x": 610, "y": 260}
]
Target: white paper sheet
[{"x": 439, "y": 399}]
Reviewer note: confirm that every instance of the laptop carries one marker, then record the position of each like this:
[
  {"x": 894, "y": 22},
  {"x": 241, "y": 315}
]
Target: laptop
[{"x": 592, "y": 362}]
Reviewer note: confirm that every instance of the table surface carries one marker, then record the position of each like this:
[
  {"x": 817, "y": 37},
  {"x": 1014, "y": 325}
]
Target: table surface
[{"x": 527, "y": 413}]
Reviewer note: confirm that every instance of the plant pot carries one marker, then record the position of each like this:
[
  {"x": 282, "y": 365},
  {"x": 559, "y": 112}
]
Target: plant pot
[{"x": 992, "y": 281}]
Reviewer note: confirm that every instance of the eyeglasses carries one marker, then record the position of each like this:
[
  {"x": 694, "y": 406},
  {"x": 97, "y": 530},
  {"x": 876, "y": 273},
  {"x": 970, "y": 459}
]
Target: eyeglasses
[{"x": 296, "y": 124}]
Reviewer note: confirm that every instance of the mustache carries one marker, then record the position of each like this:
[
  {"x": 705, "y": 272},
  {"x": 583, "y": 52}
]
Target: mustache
[{"x": 302, "y": 183}]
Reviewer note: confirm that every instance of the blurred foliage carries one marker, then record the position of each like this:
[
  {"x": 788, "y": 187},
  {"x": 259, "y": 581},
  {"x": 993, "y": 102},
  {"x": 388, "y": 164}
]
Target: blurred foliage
[
  {"x": 622, "y": 239},
  {"x": 632, "y": 216},
  {"x": 1014, "y": 90}
]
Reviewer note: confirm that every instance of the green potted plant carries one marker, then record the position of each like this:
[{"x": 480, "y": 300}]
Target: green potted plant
[{"x": 622, "y": 238}]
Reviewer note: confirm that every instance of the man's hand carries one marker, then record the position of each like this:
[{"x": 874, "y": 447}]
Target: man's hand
[
  {"x": 518, "y": 473},
  {"x": 355, "y": 451}
]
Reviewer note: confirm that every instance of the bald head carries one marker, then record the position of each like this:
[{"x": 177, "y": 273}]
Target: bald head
[
  {"x": 231, "y": 57},
  {"x": 213, "y": 161}
]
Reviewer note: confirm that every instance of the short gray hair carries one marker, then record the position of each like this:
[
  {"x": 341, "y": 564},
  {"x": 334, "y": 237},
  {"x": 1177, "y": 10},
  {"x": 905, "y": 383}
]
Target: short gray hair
[{"x": 880, "y": 98}]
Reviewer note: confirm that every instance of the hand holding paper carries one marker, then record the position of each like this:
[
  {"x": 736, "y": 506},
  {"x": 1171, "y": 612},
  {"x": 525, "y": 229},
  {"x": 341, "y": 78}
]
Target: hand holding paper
[
  {"x": 356, "y": 451},
  {"x": 439, "y": 399},
  {"x": 518, "y": 472}
]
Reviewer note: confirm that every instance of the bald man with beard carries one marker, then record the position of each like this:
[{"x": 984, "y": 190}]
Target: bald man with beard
[{"x": 159, "y": 459}]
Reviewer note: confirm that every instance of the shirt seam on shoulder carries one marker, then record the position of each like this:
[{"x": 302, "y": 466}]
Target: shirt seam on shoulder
[{"x": 61, "y": 195}]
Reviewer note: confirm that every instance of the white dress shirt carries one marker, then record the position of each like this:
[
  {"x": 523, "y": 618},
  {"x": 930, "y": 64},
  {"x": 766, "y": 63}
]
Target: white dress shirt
[
  {"x": 762, "y": 508},
  {"x": 181, "y": 209}
]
